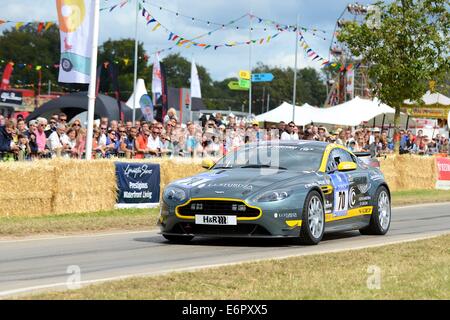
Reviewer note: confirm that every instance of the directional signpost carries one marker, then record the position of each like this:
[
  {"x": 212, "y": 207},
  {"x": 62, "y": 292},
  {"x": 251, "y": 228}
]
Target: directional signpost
[
  {"x": 246, "y": 79},
  {"x": 234, "y": 85},
  {"x": 262, "y": 77},
  {"x": 243, "y": 83},
  {"x": 244, "y": 74}
]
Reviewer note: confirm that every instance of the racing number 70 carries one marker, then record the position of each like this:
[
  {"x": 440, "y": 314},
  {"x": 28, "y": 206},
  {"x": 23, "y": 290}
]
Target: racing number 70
[{"x": 341, "y": 196}]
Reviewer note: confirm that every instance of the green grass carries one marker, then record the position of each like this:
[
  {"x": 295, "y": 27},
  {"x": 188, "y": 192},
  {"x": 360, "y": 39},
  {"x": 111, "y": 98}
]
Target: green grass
[
  {"x": 119, "y": 219},
  {"x": 144, "y": 219},
  {"x": 400, "y": 198},
  {"x": 412, "y": 270}
]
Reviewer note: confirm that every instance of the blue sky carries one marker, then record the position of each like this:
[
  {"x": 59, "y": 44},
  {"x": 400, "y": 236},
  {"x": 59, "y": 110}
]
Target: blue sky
[{"x": 223, "y": 62}]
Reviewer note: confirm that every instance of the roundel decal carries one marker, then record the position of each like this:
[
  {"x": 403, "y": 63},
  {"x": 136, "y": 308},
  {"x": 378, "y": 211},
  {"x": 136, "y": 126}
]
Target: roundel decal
[
  {"x": 66, "y": 64},
  {"x": 352, "y": 197}
]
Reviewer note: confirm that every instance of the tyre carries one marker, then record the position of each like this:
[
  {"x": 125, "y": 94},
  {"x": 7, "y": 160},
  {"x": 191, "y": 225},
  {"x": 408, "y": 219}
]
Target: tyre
[
  {"x": 313, "y": 219},
  {"x": 380, "y": 219},
  {"x": 178, "y": 239}
]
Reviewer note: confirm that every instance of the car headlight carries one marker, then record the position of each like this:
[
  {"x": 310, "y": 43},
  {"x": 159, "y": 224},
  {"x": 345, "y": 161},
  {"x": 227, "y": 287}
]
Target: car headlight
[
  {"x": 273, "y": 195},
  {"x": 175, "y": 194}
]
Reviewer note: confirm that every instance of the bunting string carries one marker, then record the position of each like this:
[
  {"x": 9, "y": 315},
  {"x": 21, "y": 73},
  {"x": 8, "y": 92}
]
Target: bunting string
[
  {"x": 314, "y": 56},
  {"x": 182, "y": 41}
]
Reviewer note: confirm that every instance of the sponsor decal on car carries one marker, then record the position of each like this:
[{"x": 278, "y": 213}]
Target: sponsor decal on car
[
  {"x": 285, "y": 215},
  {"x": 341, "y": 193}
]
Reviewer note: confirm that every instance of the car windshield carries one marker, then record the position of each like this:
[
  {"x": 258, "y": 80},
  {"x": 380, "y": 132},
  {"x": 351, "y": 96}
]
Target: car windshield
[{"x": 284, "y": 157}]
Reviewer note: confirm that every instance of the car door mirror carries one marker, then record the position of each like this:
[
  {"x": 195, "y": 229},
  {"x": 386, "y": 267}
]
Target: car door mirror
[
  {"x": 207, "y": 163},
  {"x": 346, "y": 166}
]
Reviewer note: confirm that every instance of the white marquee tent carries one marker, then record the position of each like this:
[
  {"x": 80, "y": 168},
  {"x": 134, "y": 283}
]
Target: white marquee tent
[
  {"x": 350, "y": 113},
  {"x": 432, "y": 99}
]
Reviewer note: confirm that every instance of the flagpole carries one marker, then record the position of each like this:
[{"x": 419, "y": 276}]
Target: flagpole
[
  {"x": 190, "y": 100},
  {"x": 294, "y": 94},
  {"x": 135, "y": 62},
  {"x": 92, "y": 81},
  {"x": 250, "y": 66}
]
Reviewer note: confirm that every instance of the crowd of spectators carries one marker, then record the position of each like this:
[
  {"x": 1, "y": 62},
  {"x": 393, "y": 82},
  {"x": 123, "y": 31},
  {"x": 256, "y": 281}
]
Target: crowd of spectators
[{"x": 210, "y": 136}]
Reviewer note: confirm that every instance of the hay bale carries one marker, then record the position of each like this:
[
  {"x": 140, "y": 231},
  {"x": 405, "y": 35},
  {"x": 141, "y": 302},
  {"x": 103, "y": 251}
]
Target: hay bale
[
  {"x": 409, "y": 172},
  {"x": 27, "y": 188},
  {"x": 83, "y": 186}
]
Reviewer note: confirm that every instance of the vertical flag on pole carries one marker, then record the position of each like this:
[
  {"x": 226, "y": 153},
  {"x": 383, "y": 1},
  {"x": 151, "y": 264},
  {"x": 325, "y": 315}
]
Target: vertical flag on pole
[
  {"x": 6, "y": 76},
  {"x": 195, "y": 82},
  {"x": 75, "y": 19},
  {"x": 156, "y": 79},
  {"x": 351, "y": 83}
]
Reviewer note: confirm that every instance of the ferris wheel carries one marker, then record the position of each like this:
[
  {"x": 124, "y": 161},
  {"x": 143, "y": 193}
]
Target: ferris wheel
[{"x": 350, "y": 78}]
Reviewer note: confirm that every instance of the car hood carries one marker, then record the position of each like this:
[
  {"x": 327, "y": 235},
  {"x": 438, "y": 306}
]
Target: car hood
[{"x": 239, "y": 183}]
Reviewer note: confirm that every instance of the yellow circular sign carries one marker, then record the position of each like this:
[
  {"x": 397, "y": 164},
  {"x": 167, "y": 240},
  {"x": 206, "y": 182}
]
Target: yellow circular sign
[{"x": 71, "y": 14}]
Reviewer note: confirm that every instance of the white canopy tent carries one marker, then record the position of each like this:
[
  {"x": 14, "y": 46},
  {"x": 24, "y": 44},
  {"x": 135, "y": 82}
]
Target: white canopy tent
[
  {"x": 351, "y": 113},
  {"x": 303, "y": 115},
  {"x": 140, "y": 91},
  {"x": 432, "y": 99}
]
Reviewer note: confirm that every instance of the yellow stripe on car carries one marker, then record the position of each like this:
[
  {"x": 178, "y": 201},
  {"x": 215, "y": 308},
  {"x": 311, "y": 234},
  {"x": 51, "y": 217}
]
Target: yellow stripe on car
[
  {"x": 294, "y": 223},
  {"x": 350, "y": 214}
]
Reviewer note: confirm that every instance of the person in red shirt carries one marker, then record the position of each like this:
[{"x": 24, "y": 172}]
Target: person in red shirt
[{"x": 141, "y": 144}]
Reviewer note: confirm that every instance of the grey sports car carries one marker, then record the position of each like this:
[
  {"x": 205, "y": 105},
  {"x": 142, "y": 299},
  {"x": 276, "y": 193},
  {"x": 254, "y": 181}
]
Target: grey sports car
[{"x": 278, "y": 189}]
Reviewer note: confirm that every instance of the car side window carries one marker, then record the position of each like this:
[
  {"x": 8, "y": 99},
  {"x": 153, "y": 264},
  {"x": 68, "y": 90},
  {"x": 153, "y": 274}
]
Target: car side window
[
  {"x": 336, "y": 157},
  {"x": 332, "y": 163}
]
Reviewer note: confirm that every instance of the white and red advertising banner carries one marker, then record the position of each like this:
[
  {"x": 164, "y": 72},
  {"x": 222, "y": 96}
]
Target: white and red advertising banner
[{"x": 443, "y": 167}]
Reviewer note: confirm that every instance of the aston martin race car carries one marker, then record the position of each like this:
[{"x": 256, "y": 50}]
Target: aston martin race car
[{"x": 277, "y": 189}]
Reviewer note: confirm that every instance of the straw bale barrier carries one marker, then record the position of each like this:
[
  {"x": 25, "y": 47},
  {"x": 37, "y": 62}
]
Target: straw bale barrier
[
  {"x": 70, "y": 186},
  {"x": 409, "y": 172}
]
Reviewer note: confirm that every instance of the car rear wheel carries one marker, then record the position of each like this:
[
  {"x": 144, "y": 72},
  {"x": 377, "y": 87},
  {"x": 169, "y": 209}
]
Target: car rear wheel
[
  {"x": 381, "y": 217},
  {"x": 313, "y": 219},
  {"x": 178, "y": 239}
]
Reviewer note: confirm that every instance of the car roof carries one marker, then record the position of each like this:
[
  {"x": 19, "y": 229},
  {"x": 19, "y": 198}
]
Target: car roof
[{"x": 304, "y": 143}]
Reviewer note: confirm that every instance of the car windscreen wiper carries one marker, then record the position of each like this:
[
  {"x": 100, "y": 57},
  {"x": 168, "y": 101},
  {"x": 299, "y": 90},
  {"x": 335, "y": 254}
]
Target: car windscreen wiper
[
  {"x": 222, "y": 167},
  {"x": 257, "y": 166}
]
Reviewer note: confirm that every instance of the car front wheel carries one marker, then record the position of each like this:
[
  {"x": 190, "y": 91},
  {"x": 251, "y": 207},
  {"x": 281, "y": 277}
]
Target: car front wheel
[
  {"x": 313, "y": 219},
  {"x": 381, "y": 217}
]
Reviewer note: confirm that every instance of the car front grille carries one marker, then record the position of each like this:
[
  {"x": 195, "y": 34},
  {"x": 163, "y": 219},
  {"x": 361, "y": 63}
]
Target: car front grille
[{"x": 218, "y": 207}]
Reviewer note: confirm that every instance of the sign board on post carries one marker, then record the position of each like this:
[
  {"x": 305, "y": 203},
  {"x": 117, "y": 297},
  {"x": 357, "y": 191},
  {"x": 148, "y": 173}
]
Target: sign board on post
[
  {"x": 244, "y": 74},
  {"x": 138, "y": 185},
  {"x": 244, "y": 83},
  {"x": 262, "y": 77},
  {"x": 234, "y": 85},
  {"x": 443, "y": 167}
]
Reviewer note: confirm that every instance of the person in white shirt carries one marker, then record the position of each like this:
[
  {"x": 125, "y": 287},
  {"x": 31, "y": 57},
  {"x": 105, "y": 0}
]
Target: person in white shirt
[
  {"x": 154, "y": 143},
  {"x": 54, "y": 140},
  {"x": 289, "y": 134},
  {"x": 103, "y": 132}
]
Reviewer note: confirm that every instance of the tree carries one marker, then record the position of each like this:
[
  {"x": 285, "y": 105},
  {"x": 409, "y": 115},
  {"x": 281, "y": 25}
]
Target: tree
[
  {"x": 406, "y": 45},
  {"x": 178, "y": 72},
  {"x": 121, "y": 54},
  {"x": 27, "y": 46}
]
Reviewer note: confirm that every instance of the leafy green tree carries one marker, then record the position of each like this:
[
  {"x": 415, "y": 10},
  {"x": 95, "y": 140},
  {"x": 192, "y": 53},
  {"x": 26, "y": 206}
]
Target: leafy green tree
[
  {"x": 27, "y": 46},
  {"x": 406, "y": 44},
  {"x": 121, "y": 54}
]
